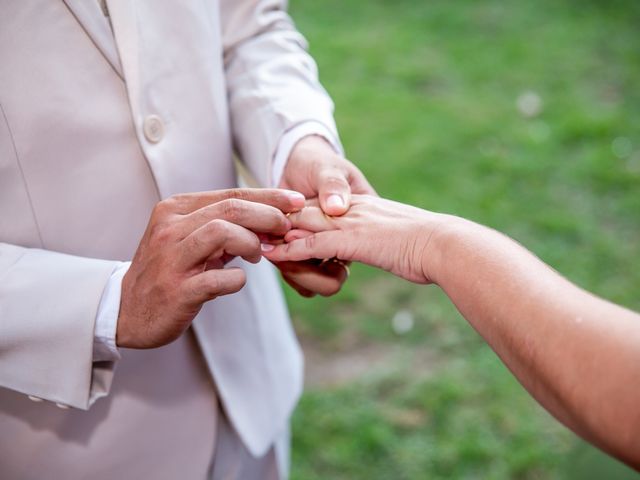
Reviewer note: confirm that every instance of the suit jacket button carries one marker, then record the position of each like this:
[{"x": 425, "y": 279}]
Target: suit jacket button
[
  {"x": 153, "y": 128},
  {"x": 34, "y": 399},
  {"x": 62, "y": 406}
]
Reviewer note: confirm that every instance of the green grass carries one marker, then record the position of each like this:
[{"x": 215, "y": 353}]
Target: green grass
[{"x": 426, "y": 97}]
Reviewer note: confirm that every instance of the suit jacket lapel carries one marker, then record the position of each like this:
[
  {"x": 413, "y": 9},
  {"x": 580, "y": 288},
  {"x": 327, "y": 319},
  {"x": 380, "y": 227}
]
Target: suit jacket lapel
[{"x": 96, "y": 25}]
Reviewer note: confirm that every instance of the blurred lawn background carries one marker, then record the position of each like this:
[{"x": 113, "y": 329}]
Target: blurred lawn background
[{"x": 521, "y": 115}]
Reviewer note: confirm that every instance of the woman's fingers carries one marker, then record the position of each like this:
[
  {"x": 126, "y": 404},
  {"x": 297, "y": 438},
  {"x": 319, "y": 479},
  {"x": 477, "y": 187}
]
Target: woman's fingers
[
  {"x": 312, "y": 219},
  {"x": 309, "y": 278},
  {"x": 319, "y": 245},
  {"x": 295, "y": 235},
  {"x": 298, "y": 288}
]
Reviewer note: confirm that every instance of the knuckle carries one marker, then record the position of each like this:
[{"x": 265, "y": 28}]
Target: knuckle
[
  {"x": 255, "y": 244},
  {"x": 242, "y": 194},
  {"x": 335, "y": 179},
  {"x": 310, "y": 242},
  {"x": 162, "y": 208},
  {"x": 161, "y": 231},
  {"x": 212, "y": 287},
  {"x": 217, "y": 228},
  {"x": 285, "y": 248},
  {"x": 201, "y": 291},
  {"x": 177, "y": 202},
  {"x": 238, "y": 194},
  {"x": 233, "y": 209},
  {"x": 277, "y": 219},
  {"x": 206, "y": 288}
]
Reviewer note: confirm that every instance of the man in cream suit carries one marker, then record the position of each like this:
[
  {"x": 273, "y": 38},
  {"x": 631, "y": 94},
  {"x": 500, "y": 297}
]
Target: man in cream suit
[{"x": 108, "y": 112}]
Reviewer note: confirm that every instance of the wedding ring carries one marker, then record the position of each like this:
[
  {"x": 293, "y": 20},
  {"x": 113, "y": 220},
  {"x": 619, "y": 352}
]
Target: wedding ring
[
  {"x": 337, "y": 261},
  {"x": 344, "y": 265}
]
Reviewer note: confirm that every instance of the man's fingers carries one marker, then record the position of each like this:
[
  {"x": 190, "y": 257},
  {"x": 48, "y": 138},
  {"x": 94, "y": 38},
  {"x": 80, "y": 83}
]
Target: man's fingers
[
  {"x": 211, "y": 284},
  {"x": 254, "y": 216},
  {"x": 303, "y": 292},
  {"x": 334, "y": 191},
  {"x": 311, "y": 278},
  {"x": 215, "y": 239},
  {"x": 337, "y": 271},
  {"x": 318, "y": 245},
  {"x": 296, "y": 235},
  {"x": 312, "y": 219},
  {"x": 284, "y": 200}
]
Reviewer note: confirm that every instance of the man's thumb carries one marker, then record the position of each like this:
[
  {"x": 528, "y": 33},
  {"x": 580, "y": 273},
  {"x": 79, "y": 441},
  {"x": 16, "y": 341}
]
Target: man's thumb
[{"x": 334, "y": 192}]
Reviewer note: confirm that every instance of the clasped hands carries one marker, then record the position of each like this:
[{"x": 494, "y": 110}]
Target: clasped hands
[{"x": 179, "y": 263}]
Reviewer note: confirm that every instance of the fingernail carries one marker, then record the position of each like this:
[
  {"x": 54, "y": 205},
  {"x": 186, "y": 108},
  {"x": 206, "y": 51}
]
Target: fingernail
[
  {"x": 266, "y": 247},
  {"x": 295, "y": 196},
  {"x": 335, "y": 201}
]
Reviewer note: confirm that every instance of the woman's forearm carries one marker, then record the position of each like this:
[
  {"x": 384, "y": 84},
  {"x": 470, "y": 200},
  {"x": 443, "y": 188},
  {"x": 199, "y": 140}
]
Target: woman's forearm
[{"x": 578, "y": 355}]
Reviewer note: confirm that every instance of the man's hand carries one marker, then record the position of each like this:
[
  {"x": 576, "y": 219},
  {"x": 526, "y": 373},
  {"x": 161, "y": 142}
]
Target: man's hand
[
  {"x": 179, "y": 264},
  {"x": 316, "y": 170}
]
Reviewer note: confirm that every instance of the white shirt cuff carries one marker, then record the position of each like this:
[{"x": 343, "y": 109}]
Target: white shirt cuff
[
  {"x": 293, "y": 136},
  {"x": 104, "y": 335}
]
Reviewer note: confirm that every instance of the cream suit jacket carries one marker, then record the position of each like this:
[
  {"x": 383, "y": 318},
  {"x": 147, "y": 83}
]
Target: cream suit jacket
[{"x": 95, "y": 127}]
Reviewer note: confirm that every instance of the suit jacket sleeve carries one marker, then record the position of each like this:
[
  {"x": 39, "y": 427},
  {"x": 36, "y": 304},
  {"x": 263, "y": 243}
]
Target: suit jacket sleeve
[
  {"x": 272, "y": 81},
  {"x": 48, "y": 304}
]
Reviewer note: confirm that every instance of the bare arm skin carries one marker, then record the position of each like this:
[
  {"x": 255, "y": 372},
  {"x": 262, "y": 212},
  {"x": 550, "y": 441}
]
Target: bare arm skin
[{"x": 577, "y": 354}]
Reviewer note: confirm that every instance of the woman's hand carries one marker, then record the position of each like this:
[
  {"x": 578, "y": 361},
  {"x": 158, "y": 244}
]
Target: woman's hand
[
  {"x": 382, "y": 233},
  {"x": 577, "y": 354}
]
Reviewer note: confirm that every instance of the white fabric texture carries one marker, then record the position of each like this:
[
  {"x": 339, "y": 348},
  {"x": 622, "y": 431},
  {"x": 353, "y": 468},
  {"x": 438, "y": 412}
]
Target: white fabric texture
[{"x": 104, "y": 337}]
